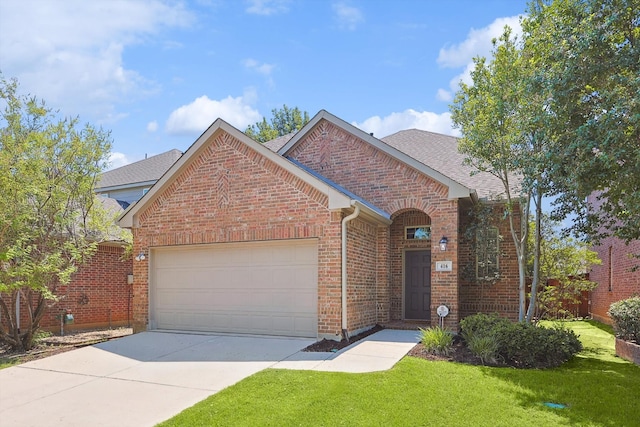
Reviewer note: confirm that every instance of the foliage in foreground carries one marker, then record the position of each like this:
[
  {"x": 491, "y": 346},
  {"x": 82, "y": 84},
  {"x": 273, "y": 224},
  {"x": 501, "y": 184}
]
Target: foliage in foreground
[
  {"x": 426, "y": 393},
  {"x": 625, "y": 315},
  {"x": 564, "y": 260},
  {"x": 522, "y": 345},
  {"x": 50, "y": 218},
  {"x": 437, "y": 340}
]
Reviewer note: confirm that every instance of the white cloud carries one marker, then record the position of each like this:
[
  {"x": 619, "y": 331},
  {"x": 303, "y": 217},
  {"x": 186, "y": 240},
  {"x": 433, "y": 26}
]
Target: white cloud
[
  {"x": 264, "y": 68},
  {"x": 465, "y": 77},
  {"x": 117, "y": 160},
  {"x": 70, "y": 53},
  {"x": 408, "y": 119},
  {"x": 444, "y": 95},
  {"x": 196, "y": 117},
  {"x": 267, "y": 7},
  {"x": 477, "y": 43},
  {"x": 152, "y": 126},
  {"x": 348, "y": 17}
]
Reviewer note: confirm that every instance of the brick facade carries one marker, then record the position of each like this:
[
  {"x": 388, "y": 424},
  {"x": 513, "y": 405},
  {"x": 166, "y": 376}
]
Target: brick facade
[
  {"x": 615, "y": 277},
  {"x": 396, "y": 188},
  {"x": 482, "y": 297},
  {"x": 98, "y": 295},
  {"x": 228, "y": 192}
]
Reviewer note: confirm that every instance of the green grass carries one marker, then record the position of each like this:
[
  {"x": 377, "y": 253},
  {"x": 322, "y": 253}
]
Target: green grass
[
  {"x": 6, "y": 362},
  {"x": 599, "y": 389}
]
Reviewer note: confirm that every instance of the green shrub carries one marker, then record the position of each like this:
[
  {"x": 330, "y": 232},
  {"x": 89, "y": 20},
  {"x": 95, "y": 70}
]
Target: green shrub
[
  {"x": 525, "y": 345},
  {"x": 437, "y": 340},
  {"x": 625, "y": 315},
  {"x": 522, "y": 345},
  {"x": 485, "y": 347},
  {"x": 480, "y": 325}
]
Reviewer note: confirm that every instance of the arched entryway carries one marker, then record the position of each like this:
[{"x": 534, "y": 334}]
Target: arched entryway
[{"x": 411, "y": 242}]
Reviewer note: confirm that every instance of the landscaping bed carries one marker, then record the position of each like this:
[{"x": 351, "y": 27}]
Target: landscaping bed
[{"x": 55, "y": 344}]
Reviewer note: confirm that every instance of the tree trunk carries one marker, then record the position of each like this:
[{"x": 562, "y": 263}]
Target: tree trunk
[{"x": 536, "y": 258}]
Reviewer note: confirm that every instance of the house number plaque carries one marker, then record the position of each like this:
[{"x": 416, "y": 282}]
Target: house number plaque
[{"x": 444, "y": 265}]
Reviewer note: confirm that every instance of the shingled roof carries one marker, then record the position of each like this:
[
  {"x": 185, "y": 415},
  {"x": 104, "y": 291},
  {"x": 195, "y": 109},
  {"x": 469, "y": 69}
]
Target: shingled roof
[
  {"x": 276, "y": 144},
  {"x": 440, "y": 152},
  {"x": 150, "y": 169}
]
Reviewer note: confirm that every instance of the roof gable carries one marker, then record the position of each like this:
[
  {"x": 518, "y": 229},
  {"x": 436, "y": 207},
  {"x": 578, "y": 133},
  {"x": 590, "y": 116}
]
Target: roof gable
[
  {"x": 456, "y": 189},
  {"x": 336, "y": 198}
]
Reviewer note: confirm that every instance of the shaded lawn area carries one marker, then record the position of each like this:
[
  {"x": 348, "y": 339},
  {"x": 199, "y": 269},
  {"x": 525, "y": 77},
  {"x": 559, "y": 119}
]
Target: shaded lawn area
[{"x": 598, "y": 388}]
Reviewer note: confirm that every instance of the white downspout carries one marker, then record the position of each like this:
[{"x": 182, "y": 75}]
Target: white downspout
[{"x": 356, "y": 212}]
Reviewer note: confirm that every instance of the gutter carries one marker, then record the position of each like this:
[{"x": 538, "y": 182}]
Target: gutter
[{"x": 345, "y": 220}]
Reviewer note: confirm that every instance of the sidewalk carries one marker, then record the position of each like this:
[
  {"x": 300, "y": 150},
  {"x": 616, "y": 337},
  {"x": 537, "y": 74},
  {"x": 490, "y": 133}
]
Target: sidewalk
[{"x": 377, "y": 352}]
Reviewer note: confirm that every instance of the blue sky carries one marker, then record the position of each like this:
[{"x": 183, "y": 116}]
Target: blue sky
[{"x": 157, "y": 73}]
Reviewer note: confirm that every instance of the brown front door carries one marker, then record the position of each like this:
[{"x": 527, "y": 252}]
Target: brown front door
[{"x": 417, "y": 285}]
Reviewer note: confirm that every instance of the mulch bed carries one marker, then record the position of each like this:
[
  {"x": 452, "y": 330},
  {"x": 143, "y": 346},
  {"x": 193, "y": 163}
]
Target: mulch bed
[
  {"x": 332, "y": 346},
  {"x": 57, "y": 344},
  {"x": 460, "y": 353}
]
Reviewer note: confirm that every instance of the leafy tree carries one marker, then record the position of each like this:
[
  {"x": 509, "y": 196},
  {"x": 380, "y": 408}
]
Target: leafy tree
[
  {"x": 501, "y": 137},
  {"x": 50, "y": 219},
  {"x": 566, "y": 260},
  {"x": 283, "y": 122},
  {"x": 587, "y": 57}
]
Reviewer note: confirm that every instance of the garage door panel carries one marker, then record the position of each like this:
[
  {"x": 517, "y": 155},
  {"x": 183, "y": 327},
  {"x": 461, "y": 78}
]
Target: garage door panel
[{"x": 262, "y": 288}]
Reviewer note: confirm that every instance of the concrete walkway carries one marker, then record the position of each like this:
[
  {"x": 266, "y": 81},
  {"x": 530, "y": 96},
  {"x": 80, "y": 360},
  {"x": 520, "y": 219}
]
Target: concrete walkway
[
  {"x": 377, "y": 352},
  {"x": 146, "y": 378}
]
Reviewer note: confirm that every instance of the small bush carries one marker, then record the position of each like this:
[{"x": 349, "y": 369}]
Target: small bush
[
  {"x": 485, "y": 347},
  {"x": 481, "y": 325},
  {"x": 625, "y": 315},
  {"x": 525, "y": 345},
  {"x": 522, "y": 345},
  {"x": 437, "y": 340}
]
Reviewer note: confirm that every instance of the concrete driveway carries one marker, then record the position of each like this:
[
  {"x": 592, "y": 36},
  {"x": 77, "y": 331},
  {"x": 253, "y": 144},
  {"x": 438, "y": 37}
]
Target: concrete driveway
[{"x": 138, "y": 380}]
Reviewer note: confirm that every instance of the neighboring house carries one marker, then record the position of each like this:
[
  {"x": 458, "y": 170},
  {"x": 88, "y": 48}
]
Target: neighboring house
[
  {"x": 618, "y": 276},
  {"x": 321, "y": 234},
  {"x": 99, "y": 294},
  {"x": 130, "y": 182}
]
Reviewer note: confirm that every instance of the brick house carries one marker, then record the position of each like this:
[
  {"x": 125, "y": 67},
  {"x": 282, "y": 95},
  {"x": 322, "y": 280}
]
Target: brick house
[
  {"x": 99, "y": 295},
  {"x": 618, "y": 277},
  {"x": 129, "y": 183},
  {"x": 319, "y": 234}
]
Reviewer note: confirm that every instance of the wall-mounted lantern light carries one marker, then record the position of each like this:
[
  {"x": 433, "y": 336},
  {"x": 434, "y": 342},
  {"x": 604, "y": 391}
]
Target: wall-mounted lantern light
[
  {"x": 140, "y": 257},
  {"x": 443, "y": 243}
]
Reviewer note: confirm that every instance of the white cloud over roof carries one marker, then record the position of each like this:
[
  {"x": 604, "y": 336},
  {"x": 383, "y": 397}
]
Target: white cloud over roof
[
  {"x": 195, "y": 117},
  {"x": 408, "y": 119}
]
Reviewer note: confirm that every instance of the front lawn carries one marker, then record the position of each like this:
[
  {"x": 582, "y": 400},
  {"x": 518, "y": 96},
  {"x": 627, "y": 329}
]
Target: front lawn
[{"x": 598, "y": 388}]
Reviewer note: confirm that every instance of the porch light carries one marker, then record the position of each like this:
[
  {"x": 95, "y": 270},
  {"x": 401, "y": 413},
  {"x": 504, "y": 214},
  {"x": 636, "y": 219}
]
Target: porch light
[
  {"x": 140, "y": 257},
  {"x": 443, "y": 243}
]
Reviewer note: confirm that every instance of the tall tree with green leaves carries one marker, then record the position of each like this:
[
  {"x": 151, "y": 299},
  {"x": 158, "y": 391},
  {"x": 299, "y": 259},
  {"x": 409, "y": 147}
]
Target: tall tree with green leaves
[
  {"x": 485, "y": 112},
  {"x": 587, "y": 57},
  {"x": 283, "y": 122},
  {"x": 50, "y": 219}
]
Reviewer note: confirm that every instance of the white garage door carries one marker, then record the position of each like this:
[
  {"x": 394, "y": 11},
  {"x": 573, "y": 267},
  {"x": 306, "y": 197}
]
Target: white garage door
[{"x": 258, "y": 288}]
